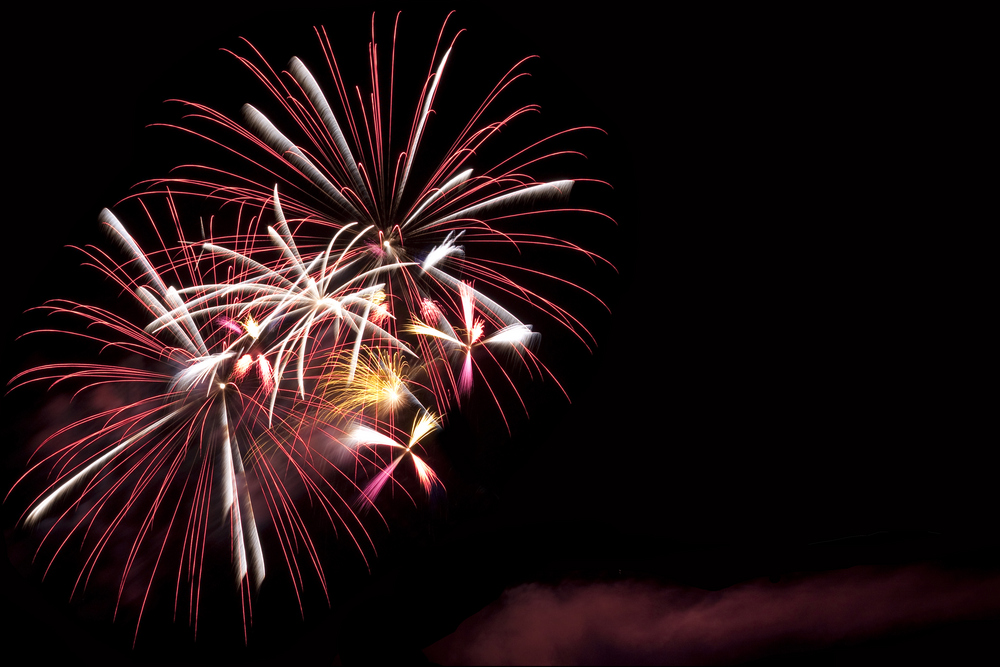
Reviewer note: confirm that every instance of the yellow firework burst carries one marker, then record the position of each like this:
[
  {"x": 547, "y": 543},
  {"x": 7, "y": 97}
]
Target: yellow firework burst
[{"x": 379, "y": 382}]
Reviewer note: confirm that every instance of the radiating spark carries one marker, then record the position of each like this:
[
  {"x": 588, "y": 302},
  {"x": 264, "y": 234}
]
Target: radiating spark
[
  {"x": 306, "y": 301},
  {"x": 252, "y": 327},
  {"x": 242, "y": 366}
]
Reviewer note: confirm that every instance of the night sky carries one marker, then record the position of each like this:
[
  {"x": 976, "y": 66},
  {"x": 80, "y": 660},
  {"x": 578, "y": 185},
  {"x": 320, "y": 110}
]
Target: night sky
[{"x": 777, "y": 451}]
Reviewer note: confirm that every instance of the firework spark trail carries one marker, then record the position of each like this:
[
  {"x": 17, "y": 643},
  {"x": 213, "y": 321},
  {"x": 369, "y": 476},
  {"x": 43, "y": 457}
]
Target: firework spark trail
[
  {"x": 361, "y": 436},
  {"x": 205, "y": 371},
  {"x": 328, "y": 171},
  {"x": 301, "y": 304},
  {"x": 138, "y": 450},
  {"x": 289, "y": 358},
  {"x": 191, "y": 392}
]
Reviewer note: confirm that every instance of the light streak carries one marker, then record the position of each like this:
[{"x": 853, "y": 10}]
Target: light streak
[{"x": 283, "y": 346}]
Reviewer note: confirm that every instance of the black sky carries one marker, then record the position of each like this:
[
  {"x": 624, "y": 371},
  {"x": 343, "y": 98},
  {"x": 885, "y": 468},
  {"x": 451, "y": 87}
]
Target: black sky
[{"x": 789, "y": 380}]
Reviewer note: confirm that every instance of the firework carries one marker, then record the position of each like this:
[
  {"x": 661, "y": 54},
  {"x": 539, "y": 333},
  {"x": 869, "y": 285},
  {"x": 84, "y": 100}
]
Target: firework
[
  {"x": 174, "y": 463},
  {"x": 361, "y": 436},
  {"x": 348, "y": 181},
  {"x": 299, "y": 363},
  {"x": 298, "y": 298}
]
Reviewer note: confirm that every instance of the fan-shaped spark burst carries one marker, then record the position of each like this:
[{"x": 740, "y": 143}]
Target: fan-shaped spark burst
[{"x": 277, "y": 364}]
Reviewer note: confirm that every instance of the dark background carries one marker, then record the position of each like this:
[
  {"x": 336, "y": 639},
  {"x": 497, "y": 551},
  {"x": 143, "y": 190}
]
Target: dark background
[{"x": 793, "y": 374}]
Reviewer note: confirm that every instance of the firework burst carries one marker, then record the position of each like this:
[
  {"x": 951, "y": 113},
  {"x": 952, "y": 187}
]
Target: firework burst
[
  {"x": 348, "y": 181},
  {"x": 299, "y": 363},
  {"x": 175, "y": 462}
]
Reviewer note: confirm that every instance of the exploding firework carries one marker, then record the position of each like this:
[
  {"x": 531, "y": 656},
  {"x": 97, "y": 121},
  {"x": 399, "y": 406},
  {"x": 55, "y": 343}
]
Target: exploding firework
[
  {"x": 203, "y": 447},
  {"x": 346, "y": 183},
  {"x": 303, "y": 363}
]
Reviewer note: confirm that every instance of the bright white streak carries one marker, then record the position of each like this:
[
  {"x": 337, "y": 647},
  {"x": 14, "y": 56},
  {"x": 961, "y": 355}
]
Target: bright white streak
[
  {"x": 64, "y": 488},
  {"x": 420, "y": 126},
  {"x": 515, "y": 334},
  {"x": 363, "y": 435},
  {"x": 301, "y": 74},
  {"x": 555, "y": 190},
  {"x": 457, "y": 180},
  {"x": 439, "y": 252},
  {"x": 264, "y": 129}
]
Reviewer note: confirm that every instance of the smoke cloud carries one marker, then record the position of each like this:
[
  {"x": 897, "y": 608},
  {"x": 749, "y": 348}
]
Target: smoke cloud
[{"x": 636, "y": 622}]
